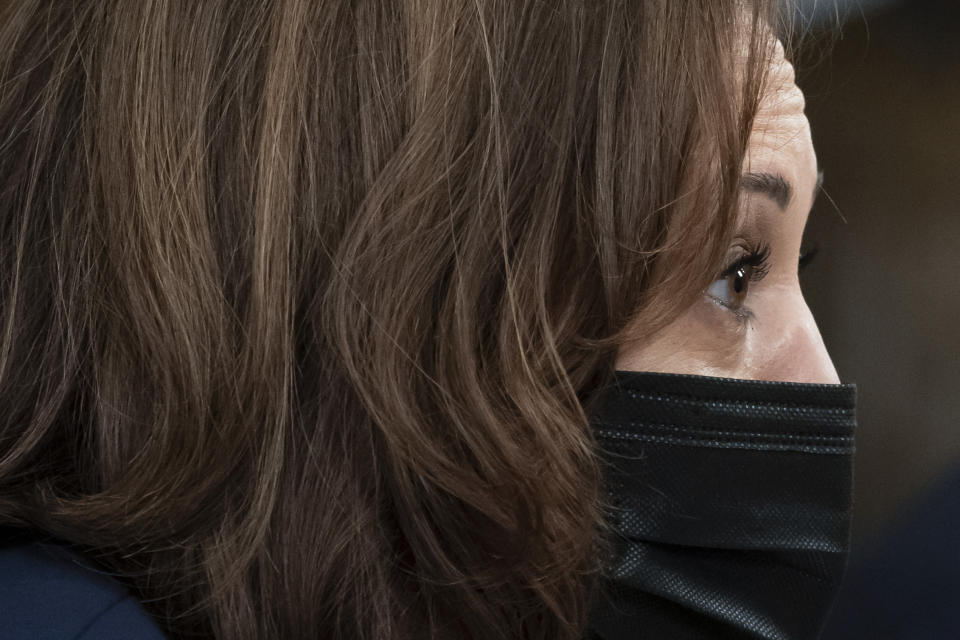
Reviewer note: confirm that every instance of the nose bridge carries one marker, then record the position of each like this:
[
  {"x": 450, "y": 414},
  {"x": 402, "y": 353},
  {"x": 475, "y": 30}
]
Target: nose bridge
[
  {"x": 812, "y": 360},
  {"x": 801, "y": 355}
]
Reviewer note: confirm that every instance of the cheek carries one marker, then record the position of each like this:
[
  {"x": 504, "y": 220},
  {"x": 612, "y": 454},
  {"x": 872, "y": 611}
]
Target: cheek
[
  {"x": 696, "y": 342},
  {"x": 705, "y": 340},
  {"x": 782, "y": 343}
]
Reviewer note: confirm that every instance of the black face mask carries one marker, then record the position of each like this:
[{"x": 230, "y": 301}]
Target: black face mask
[{"x": 731, "y": 503}]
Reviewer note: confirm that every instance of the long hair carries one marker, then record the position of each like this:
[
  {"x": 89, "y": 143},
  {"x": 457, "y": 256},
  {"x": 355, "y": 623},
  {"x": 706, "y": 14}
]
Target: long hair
[{"x": 301, "y": 301}]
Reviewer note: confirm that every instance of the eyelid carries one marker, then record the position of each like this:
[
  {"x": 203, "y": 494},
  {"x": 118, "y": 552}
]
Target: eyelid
[
  {"x": 754, "y": 255},
  {"x": 743, "y": 315}
]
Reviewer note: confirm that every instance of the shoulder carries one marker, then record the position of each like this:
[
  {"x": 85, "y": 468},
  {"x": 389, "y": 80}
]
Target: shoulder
[{"x": 48, "y": 592}]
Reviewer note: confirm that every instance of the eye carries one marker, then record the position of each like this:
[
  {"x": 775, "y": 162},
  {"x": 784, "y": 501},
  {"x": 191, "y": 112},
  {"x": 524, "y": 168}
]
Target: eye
[
  {"x": 730, "y": 290},
  {"x": 807, "y": 254}
]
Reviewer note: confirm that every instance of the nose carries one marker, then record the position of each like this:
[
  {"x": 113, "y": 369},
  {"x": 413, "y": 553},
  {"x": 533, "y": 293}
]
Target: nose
[{"x": 803, "y": 356}]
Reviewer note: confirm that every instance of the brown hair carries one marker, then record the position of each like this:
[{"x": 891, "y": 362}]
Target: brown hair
[{"x": 302, "y": 300}]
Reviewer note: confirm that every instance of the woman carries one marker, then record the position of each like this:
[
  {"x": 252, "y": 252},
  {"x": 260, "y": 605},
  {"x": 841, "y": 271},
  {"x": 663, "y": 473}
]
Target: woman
[{"x": 311, "y": 312}]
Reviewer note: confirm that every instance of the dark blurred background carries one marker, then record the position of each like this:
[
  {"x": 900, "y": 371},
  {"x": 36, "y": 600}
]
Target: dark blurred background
[{"x": 882, "y": 81}]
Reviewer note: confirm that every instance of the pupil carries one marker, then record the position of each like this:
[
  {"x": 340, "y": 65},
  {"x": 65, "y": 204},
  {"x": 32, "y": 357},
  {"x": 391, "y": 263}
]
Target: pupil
[{"x": 738, "y": 281}]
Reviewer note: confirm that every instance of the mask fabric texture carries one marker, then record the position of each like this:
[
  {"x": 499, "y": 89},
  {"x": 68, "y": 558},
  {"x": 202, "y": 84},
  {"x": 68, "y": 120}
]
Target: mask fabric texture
[{"x": 731, "y": 503}]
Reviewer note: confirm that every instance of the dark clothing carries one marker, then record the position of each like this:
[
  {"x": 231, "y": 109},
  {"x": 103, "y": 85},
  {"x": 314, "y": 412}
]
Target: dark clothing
[
  {"x": 50, "y": 593},
  {"x": 907, "y": 587}
]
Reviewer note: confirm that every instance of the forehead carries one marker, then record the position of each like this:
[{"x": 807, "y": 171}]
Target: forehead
[{"x": 780, "y": 141}]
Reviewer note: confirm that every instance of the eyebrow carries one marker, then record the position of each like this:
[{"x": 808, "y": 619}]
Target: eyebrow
[{"x": 774, "y": 186}]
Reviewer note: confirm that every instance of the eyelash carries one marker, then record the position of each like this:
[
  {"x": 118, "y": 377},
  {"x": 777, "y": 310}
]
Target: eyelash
[{"x": 756, "y": 256}]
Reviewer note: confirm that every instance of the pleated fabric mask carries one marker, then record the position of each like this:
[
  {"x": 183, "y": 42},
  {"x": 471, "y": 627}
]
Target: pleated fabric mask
[{"x": 731, "y": 503}]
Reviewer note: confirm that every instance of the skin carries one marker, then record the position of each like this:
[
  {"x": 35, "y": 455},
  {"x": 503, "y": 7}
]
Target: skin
[{"x": 780, "y": 340}]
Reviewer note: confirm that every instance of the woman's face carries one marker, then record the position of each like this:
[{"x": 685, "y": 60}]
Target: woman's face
[{"x": 753, "y": 321}]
